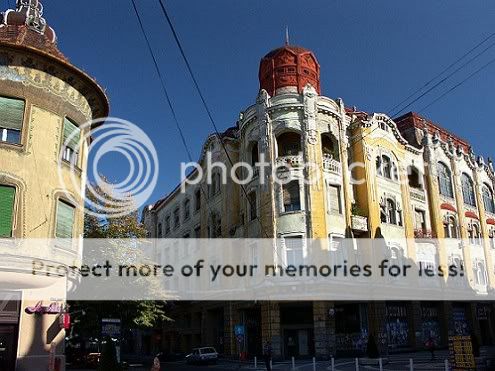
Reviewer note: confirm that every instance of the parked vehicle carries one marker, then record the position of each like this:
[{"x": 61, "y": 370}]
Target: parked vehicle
[{"x": 202, "y": 355}]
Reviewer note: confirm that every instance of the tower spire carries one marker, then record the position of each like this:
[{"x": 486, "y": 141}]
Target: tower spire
[
  {"x": 33, "y": 9},
  {"x": 287, "y": 35}
]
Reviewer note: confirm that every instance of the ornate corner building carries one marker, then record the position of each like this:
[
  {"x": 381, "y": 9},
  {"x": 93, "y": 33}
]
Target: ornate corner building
[
  {"x": 43, "y": 101},
  {"x": 418, "y": 181}
]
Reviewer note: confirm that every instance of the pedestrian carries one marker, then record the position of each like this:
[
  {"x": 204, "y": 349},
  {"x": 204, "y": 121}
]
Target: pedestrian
[
  {"x": 430, "y": 345},
  {"x": 267, "y": 355}
]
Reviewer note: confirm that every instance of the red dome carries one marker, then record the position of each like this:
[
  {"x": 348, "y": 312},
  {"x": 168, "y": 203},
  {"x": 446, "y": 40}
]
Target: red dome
[{"x": 289, "y": 66}]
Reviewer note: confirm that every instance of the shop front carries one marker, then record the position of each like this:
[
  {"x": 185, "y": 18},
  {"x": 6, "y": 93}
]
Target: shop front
[{"x": 9, "y": 329}]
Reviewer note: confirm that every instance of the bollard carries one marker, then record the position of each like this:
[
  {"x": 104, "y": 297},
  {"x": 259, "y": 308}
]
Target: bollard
[
  {"x": 380, "y": 363},
  {"x": 357, "y": 364},
  {"x": 411, "y": 364},
  {"x": 446, "y": 365},
  {"x": 255, "y": 362},
  {"x": 333, "y": 364},
  {"x": 314, "y": 364},
  {"x": 293, "y": 363}
]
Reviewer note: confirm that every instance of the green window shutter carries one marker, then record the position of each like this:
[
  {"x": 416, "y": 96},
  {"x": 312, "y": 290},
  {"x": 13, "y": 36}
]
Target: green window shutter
[
  {"x": 74, "y": 133},
  {"x": 7, "y": 196},
  {"x": 65, "y": 220},
  {"x": 11, "y": 113}
]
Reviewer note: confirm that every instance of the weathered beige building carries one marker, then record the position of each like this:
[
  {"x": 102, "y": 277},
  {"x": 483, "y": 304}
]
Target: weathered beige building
[{"x": 43, "y": 100}]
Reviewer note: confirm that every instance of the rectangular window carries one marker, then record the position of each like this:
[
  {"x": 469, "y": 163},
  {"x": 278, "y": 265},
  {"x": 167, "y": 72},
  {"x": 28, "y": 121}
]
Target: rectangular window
[
  {"x": 176, "y": 218},
  {"x": 420, "y": 220},
  {"x": 197, "y": 232},
  {"x": 334, "y": 199},
  {"x": 11, "y": 119},
  {"x": 71, "y": 139},
  {"x": 7, "y": 197},
  {"x": 187, "y": 209},
  {"x": 291, "y": 196},
  {"x": 252, "y": 206},
  {"x": 167, "y": 225},
  {"x": 294, "y": 250},
  {"x": 65, "y": 220},
  {"x": 197, "y": 200}
]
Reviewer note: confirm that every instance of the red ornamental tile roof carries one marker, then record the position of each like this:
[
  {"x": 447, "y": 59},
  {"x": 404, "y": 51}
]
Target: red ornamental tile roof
[
  {"x": 490, "y": 221},
  {"x": 412, "y": 119},
  {"x": 22, "y": 35},
  {"x": 289, "y": 66}
]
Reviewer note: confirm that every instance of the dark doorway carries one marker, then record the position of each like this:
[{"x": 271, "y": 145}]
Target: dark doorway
[
  {"x": 8, "y": 346},
  {"x": 253, "y": 332},
  {"x": 296, "y": 322}
]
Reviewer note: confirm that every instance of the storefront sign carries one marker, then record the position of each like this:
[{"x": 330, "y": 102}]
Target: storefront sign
[
  {"x": 461, "y": 353},
  {"x": 53, "y": 308},
  {"x": 110, "y": 327}
]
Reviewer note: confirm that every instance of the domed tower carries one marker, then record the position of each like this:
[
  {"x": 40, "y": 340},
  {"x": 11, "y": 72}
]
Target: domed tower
[
  {"x": 289, "y": 68},
  {"x": 44, "y": 99}
]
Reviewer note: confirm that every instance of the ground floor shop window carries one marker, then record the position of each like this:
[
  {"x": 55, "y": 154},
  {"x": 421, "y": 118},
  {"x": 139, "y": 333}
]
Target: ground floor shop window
[{"x": 397, "y": 325}]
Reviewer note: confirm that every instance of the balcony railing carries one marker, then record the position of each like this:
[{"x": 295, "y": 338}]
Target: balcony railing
[
  {"x": 359, "y": 223},
  {"x": 290, "y": 161},
  {"x": 423, "y": 233},
  {"x": 332, "y": 165},
  {"x": 418, "y": 194}
]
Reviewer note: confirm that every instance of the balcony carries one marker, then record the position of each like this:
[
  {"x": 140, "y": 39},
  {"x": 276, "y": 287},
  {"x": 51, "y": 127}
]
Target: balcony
[
  {"x": 293, "y": 161},
  {"x": 331, "y": 165},
  {"x": 359, "y": 223},
  {"x": 417, "y": 194},
  {"x": 423, "y": 233}
]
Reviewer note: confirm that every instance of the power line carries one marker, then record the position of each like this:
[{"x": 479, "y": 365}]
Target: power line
[
  {"x": 167, "y": 96},
  {"x": 203, "y": 100},
  {"x": 441, "y": 73},
  {"x": 459, "y": 84},
  {"x": 445, "y": 78}
]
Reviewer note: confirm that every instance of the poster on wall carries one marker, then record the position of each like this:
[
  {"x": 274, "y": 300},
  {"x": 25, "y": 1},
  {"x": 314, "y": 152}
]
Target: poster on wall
[{"x": 461, "y": 353}]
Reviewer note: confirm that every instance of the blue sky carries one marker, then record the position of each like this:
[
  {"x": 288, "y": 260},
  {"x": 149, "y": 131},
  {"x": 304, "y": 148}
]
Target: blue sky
[{"x": 372, "y": 54}]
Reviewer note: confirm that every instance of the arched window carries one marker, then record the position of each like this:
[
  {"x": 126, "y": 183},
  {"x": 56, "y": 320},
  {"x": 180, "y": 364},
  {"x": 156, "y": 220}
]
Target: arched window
[
  {"x": 187, "y": 209},
  {"x": 215, "y": 226},
  {"x": 330, "y": 146},
  {"x": 491, "y": 236},
  {"x": 159, "y": 230},
  {"x": 414, "y": 177},
  {"x": 390, "y": 213},
  {"x": 450, "y": 227},
  {"x": 468, "y": 190},
  {"x": 444, "y": 180},
  {"x": 474, "y": 234},
  {"x": 480, "y": 274},
  {"x": 289, "y": 144},
  {"x": 488, "y": 199},
  {"x": 387, "y": 167},
  {"x": 254, "y": 154}
]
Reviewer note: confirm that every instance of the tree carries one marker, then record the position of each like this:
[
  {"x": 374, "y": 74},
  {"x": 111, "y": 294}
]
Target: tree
[{"x": 140, "y": 314}]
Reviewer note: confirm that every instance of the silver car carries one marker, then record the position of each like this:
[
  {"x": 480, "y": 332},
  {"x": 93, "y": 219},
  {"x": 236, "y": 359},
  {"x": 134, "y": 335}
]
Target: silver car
[{"x": 202, "y": 355}]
